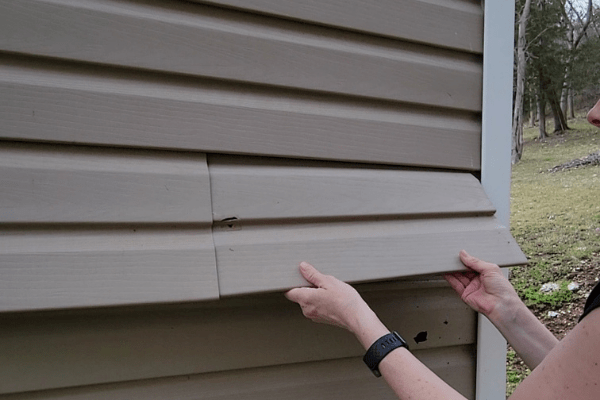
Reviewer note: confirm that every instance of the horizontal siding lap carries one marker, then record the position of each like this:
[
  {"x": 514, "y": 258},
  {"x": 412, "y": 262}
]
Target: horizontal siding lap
[
  {"x": 335, "y": 379},
  {"x": 89, "y": 227},
  {"x": 206, "y": 41},
  {"x": 90, "y": 347},
  {"x": 265, "y": 257},
  {"x": 62, "y": 184},
  {"x": 97, "y": 106},
  {"x": 450, "y": 23},
  {"x": 59, "y": 267},
  {"x": 255, "y": 189}
]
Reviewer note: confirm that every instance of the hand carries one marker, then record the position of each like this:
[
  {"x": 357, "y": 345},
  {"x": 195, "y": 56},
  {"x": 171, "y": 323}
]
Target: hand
[
  {"x": 331, "y": 301},
  {"x": 484, "y": 288}
]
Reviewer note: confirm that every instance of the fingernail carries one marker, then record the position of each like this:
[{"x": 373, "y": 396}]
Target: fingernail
[{"x": 304, "y": 264}]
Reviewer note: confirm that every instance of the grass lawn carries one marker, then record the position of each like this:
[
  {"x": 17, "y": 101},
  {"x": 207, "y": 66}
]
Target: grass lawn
[{"x": 555, "y": 218}]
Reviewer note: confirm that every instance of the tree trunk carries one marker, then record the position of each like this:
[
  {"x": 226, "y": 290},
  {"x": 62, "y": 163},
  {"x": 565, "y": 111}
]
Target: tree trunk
[
  {"x": 532, "y": 111},
  {"x": 560, "y": 122},
  {"x": 549, "y": 93},
  {"x": 564, "y": 105},
  {"x": 517, "y": 126},
  {"x": 542, "y": 117},
  {"x": 571, "y": 104}
]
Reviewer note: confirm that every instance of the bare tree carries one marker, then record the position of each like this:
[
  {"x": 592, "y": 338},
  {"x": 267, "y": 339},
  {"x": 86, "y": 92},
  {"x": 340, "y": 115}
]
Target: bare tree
[
  {"x": 541, "y": 106},
  {"x": 517, "y": 126},
  {"x": 577, "y": 27}
]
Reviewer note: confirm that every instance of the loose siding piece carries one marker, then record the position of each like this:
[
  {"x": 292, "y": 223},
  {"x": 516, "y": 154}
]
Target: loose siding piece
[
  {"x": 200, "y": 40},
  {"x": 65, "y": 267},
  {"x": 328, "y": 380},
  {"x": 92, "y": 105},
  {"x": 68, "y": 184},
  {"x": 264, "y": 257},
  {"x": 355, "y": 222},
  {"x": 252, "y": 188},
  {"x": 448, "y": 23},
  {"x": 91, "y": 347}
]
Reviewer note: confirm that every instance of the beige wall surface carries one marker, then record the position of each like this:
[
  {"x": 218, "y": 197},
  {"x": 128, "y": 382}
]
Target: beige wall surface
[
  {"x": 173, "y": 75},
  {"x": 75, "y": 348},
  {"x": 165, "y": 165}
]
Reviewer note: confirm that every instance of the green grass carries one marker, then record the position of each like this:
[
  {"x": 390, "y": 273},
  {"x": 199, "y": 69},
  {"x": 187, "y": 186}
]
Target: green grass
[
  {"x": 554, "y": 216},
  {"x": 513, "y": 376}
]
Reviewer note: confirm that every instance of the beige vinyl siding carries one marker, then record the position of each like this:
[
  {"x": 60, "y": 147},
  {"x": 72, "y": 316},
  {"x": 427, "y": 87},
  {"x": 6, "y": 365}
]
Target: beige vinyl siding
[
  {"x": 49, "y": 267},
  {"x": 69, "y": 184},
  {"x": 86, "y": 227},
  {"x": 207, "y": 41},
  {"x": 334, "y": 379},
  {"x": 257, "y": 257},
  {"x": 303, "y": 82},
  {"x": 166, "y": 163},
  {"x": 44, "y": 100},
  {"x": 449, "y": 23},
  {"x": 254, "y": 188},
  {"x": 81, "y": 348},
  {"x": 357, "y": 223}
]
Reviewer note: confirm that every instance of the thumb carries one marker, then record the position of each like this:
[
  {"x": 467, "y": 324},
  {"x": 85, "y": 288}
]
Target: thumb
[
  {"x": 311, "y": 274},
  {"x": 475, "y": 263},
  {"x": 298, "y": 295}
]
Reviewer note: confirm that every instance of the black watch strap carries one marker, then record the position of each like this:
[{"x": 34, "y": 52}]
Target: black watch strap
[{"x": 381, "y": 348}]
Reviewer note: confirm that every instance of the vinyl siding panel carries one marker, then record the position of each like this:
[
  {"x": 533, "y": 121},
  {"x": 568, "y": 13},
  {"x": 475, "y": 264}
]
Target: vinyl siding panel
[
  {"x": 88, "y": 227},
  {"x": 264, "y": 257},
  {"x": 50, "y": 101},
  {"x": 82, "y": 348},
  {"x": 211, "y": 42},
  {"x": 344, "y": 378},
  {"x": 448, "y": 23},
  {"x": 253, "y": 188},
  {"x": 68, "y": 184},
  {"x": 271, "y": 214},
  {"x": 69, "y": 267}
]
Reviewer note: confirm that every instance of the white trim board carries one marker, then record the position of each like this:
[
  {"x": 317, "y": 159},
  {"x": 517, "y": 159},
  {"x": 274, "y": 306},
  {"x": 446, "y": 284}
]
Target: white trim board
[{"x": 495, "y": 171}]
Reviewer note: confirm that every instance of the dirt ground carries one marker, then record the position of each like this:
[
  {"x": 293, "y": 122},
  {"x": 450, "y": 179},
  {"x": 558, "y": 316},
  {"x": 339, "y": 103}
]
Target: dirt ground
[{"x": 586, "y": 275}]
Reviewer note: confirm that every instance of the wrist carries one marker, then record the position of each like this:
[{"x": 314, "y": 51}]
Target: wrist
[
  {"x": 508, "y": 312},
  {"x": 367, "y": 327}
]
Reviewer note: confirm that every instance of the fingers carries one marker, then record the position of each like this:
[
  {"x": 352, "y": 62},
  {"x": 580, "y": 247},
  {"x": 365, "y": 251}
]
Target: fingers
[
  {"x": 456, "y": 284},
  {"x": 474, "y": 263}
]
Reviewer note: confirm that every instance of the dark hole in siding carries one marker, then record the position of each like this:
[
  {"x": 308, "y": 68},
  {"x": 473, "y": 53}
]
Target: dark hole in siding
[{"x": 421, "y": 337}]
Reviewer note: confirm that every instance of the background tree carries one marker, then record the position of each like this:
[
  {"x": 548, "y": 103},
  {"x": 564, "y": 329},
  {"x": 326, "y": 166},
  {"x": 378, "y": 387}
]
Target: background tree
[
  {"x": 517, "y": 125},
  {"x": 557, "y": 59}
]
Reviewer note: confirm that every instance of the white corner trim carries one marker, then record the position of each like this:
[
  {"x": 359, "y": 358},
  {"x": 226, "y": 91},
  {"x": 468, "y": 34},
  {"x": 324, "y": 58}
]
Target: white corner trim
[{"x": 495, "y": 171}]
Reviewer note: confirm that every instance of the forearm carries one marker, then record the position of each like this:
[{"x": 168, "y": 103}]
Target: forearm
[
  {"x": 404, "y": 373},
  {"x": 525, "y": 333},
  {"x": 411, "y": 379}
]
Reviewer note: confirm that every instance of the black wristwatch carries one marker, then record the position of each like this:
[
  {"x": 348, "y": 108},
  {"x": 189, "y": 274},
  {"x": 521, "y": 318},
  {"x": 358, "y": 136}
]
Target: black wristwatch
[{"x": 381, "y": 348}]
